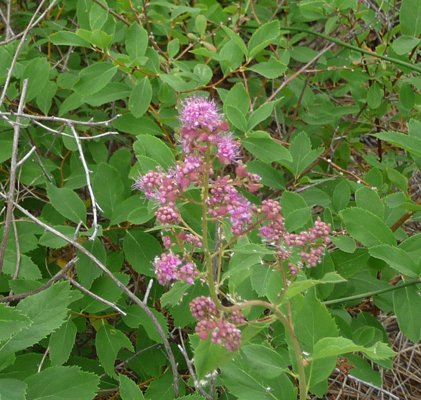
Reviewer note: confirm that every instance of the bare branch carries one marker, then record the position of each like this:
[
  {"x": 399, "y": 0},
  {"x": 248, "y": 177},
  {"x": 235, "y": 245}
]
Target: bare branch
[
  {"x": 95, "y": 205},
  {"x": 12, "y": 180},
  {"x": 93, "y": 295},
  {"x": 54, "y": 279}
]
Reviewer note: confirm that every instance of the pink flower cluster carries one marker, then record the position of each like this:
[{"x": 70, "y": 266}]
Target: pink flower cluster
[
  {"x": 202, "y": 123},
  {"x": 169, "y": 267},
  {"x": 211, "y": 323}
]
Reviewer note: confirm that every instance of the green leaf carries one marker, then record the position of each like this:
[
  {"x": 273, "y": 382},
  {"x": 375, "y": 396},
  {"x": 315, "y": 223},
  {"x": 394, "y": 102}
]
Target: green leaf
[
  {"x": 136, "y": 316},
  {"x": 297, "y": 219},
  {"x": 406, "y": 306},
  {"x": 71, "y": 102},
  {"x": 200, "y": 23},
  {"x": 112, "y": 92},
  {"x": 173, "y": 48},
  {"x": 266, "y": 149},
  {"x": 234, "y": 36},
  {"x": 407, "y": 97},
  {"x": 45, "y": 98},
  {"x": 87, "y": 270},
  {"x": 302, "y": 155},
  {"x": 271, "y": 69},
  {"x": 162, "y": 388},
  {"x": 375, "y": 95},
  {"x": 6, "y": 148},
  {"x": 260, "y": 115},
  {"x": 66, "y": 38},
  {"x": 404, "y": 44},
  {"x": 396, "y": 258},
  {"x": 59, "y": 383},
  {"x": 131, "y": 208},
  {"x": 97, "y": 16},
  {"x": 140, "y": 98},
  {"x": 175, "y": 294},
  {"x": 12, "y": 389},
  {"x": 407, "y": 142},
  {"x": 265, "y": 35},
  {"x": 264, "y": 361},
  {"x": 37, "y": 72},
  {"x": 108, "y": 188},
  {"x": 367, "y": 228},
  {"x": 94, "y": 78},
  {"x": 369, "y": 200},
  {"x": 246, "y": 385},
  {"x": 136, "y": 41},
  {"x": 47, "y": 311},
  {"x": 399, "y": 180},
  {"x": 269, "y": 176},
  {"x": 67, "y": 203},
  {"x": 344, "y": 243},
  {"x": 236, "y": 117},
  {"x": 108, "y": 342},
  {"x": 261, "y": 275},
  {"x": 238, "y": 97},
  {"x": 62, "y": 342},
  {"x": 341, "y": 196},
  {"x": 49, "y": 239},
  {"x": 129, "y": 390},
  {"x": 410, "y": 17},
  {"x": 334, "y": 346},
  {"x": 141, "y": 249},
  {"x": 154, "y": 148},
  {"x": 12, "y": 321},
  {"x": 210, "y": 356}
]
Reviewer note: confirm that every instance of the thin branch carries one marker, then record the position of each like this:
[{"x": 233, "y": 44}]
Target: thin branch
[
  {"x": 189, "y": 363},
  {"x": 18, "y": 257},
  {"x": 94, "y": 296},
  {"x": 118, "y": 283},
  {"x": 95, "y": 205},
  {"x": 148, "y": 290},
  {"x": 12, "y": 180},
  {"x": 26, "y": 157},
  {"x": 54, "y": 279},
  {"x": 34, "y": 118}
]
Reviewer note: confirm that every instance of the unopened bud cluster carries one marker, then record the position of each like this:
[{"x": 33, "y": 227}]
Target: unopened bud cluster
[{"x": 212, "y": 324}]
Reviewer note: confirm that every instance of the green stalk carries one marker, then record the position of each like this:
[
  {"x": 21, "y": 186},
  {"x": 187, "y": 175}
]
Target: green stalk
[
  {"x": 369, "y": 294},
  {"x": 355, "y": 48}
]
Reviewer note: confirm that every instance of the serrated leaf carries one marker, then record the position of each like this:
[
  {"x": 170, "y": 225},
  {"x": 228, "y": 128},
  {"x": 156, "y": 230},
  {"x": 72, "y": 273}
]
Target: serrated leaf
[
  {"x": 264, "y": 361},
  {"x": 11, "y": 321},
  {"x": 67, "y": 203},
  {"x": 140, "y": 97},
  {"x": 344, "y": 243},
  {"x": 59, "y": 383},
  {"x": 47, "y": 311},
  {"x": 334, "y": 346},
  {"x": 129, "y": 390},
  {"x": 265, "y": 35},
  {"x": 94, "y": 78},
  {"x": 12, "y": 389},
  {"x": 271, "y": 69},
  {"x": 141, "y": 249},
  {"x": 49, "y": 239},
  {"x": 367, "y": 228},
  {"x": 238, "y": 41},
  {"x": 410, "y": 143},
  {"x": 369, "y": 200},
  {"x": 269, "y": 176},
  {"x": 62, "y": 342},
  {"x": 108, "y": 342},
  {"x": 396, "y": 258}
]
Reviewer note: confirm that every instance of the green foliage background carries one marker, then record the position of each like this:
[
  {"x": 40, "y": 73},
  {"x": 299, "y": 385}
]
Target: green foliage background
[{"x": 323, "y": 96}]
